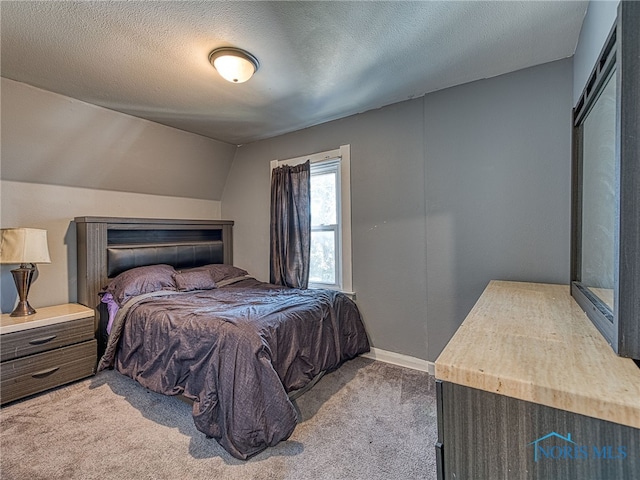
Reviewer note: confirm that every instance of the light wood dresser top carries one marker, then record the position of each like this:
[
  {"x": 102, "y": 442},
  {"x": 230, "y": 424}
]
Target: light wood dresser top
[
  {"x": 533, "y": 342},
  {"x": 44, "y": 316}
]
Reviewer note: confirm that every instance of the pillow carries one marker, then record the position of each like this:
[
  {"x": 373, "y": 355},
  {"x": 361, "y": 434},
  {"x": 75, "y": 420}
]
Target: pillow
[
  {"x": 141, "y": 280},
  {"x": 112, "y": 308},
  {"x": 194, "y": 280},
  {"x": 220, "y": 271}
]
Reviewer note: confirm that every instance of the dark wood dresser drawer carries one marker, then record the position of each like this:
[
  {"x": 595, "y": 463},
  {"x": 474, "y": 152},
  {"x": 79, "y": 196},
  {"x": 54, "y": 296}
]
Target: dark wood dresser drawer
[
  {"x": 27, "y": 342},
  {"x": 53, "y": 346},
  {"x": 39, "y": 372}
]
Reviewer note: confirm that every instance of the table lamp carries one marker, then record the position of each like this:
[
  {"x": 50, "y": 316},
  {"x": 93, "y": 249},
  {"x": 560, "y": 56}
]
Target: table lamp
[{"x": 24, "y": 246}]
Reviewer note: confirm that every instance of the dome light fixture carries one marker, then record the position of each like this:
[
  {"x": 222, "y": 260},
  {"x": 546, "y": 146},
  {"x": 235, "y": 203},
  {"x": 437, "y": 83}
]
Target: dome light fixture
[{"x": 233, "y": 64}]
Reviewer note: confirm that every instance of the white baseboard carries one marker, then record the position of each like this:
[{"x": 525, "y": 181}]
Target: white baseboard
[{"x": 401, "y": 360}]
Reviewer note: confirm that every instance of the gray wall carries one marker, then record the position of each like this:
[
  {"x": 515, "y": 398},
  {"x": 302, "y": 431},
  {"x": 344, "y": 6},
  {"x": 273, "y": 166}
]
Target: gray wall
[
  {"x": 388, "y": 214},
  {"x": 63, "y": 158},
  {"x": 498, "y": 178},
  {"x": 448, "y": 192},
  {"x": 56, "y": 140}
]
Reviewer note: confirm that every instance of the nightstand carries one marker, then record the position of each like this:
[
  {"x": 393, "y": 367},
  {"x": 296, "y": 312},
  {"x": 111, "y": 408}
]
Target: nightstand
[{"x": 54, "y": 346}]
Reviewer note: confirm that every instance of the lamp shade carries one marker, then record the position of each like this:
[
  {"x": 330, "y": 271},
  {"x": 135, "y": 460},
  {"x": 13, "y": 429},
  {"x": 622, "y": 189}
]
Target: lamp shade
[
  {"x": 24, "y": 245},
  {"x": 233, "y": 64}
]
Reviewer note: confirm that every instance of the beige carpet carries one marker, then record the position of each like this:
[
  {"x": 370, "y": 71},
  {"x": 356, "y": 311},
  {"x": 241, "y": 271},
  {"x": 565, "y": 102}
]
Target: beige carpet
[{"x": 367, "y": 420}]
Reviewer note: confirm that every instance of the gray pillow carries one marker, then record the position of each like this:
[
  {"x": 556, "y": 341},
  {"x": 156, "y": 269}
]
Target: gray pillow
[
  {"x": 220, "y": 271},
  {"x": 194, "y": 280},
  {"x": 141, "y": 280}
]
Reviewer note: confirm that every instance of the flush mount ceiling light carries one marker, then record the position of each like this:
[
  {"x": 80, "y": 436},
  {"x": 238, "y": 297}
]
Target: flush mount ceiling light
[{"x": 233, "y": 64}]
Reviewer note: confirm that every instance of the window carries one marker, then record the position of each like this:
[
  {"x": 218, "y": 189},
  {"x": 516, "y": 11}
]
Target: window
[
  {"x": 330, "y": 218},
  {"x": 325, "y": 228}
]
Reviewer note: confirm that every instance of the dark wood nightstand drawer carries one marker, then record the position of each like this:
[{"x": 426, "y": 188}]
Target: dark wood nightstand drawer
[
  {"x": 36, "y": 373},
  {"x": 35, "y": 340}
]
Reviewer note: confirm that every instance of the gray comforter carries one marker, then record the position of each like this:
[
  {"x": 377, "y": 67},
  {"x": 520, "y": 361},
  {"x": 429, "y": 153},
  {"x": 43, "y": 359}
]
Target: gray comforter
[{"x": 236, "y": 352}]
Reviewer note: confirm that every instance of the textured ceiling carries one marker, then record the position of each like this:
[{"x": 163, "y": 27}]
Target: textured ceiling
[{"x": 318, "y": 60}]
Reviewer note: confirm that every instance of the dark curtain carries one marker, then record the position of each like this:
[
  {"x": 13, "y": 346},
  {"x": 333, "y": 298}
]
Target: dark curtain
[{"x": 290, "y": 225}]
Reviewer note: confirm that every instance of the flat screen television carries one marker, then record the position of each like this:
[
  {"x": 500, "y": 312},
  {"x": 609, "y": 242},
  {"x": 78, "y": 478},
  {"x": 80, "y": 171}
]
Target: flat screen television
[{"x": 605, "y": 247}]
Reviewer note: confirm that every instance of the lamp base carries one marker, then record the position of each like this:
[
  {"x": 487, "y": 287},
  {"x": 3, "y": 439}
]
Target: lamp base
[
  {"x": 23, "y": 309},
  {"x": 22, "y": 277}
]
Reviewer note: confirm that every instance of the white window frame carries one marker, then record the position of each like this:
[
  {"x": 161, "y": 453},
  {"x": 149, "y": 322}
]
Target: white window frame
[{"x": 343, "y": 155}]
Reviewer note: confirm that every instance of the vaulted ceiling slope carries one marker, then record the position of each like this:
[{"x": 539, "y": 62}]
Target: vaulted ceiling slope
[{"x": 319, "y": 61}]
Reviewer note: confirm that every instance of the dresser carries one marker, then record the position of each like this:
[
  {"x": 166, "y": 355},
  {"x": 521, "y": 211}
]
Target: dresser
[
  {"x": 528, "y": 389},
  {"x": 52, "y": 347}
]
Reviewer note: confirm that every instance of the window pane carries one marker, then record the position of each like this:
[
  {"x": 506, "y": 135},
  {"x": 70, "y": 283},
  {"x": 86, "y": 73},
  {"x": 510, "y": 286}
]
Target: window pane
[
  {"x": 322, "y": 267},
  {"x": 323, "y": 199}
]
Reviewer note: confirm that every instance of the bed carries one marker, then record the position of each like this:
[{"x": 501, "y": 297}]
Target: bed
[{"x": 184, "y": 321}]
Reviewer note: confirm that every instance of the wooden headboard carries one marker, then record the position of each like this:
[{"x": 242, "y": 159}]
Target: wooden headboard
[{"x": 109, "y": 245}]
